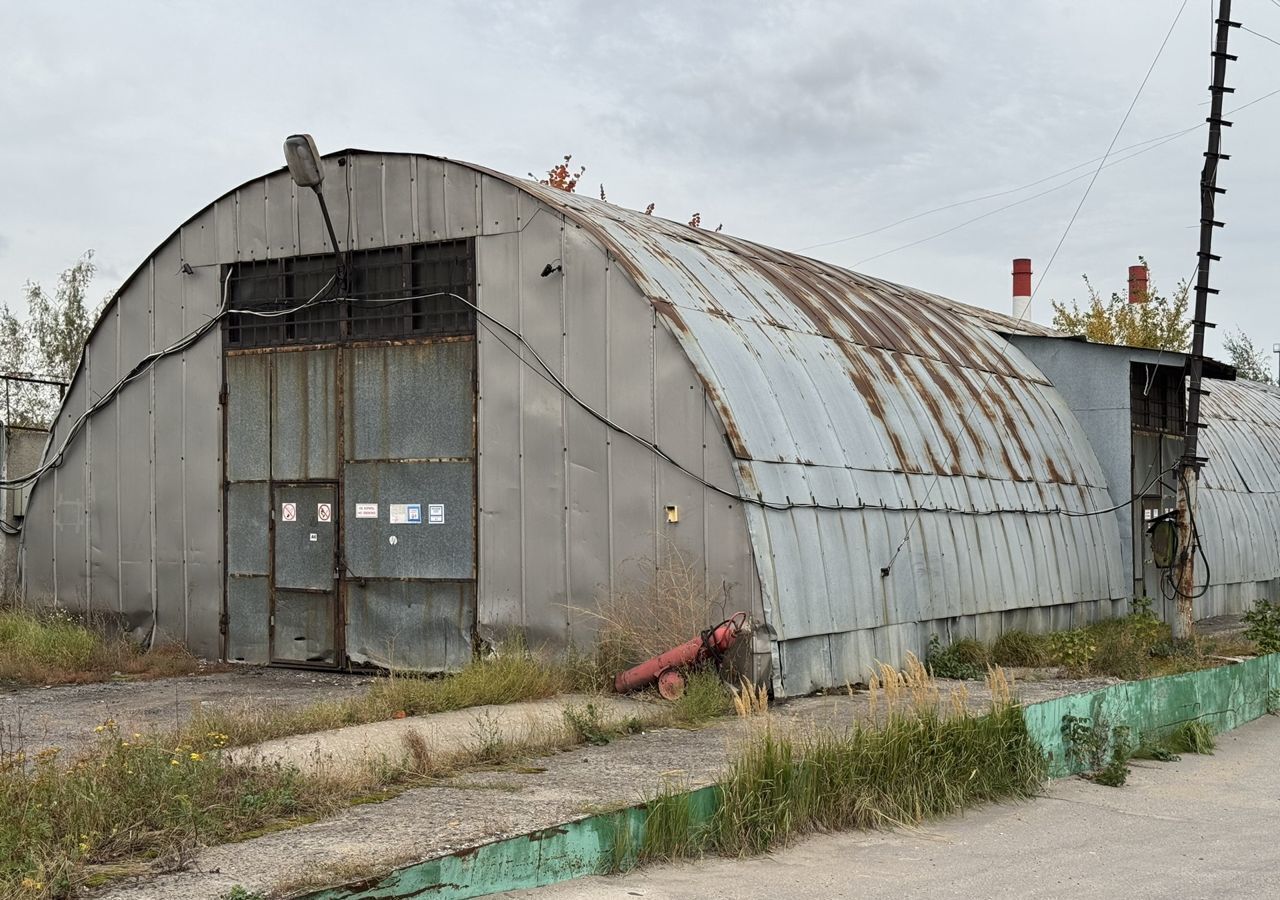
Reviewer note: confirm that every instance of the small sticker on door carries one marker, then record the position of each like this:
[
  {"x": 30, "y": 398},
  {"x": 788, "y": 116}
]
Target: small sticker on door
[
  {"x": 413, "y": 513},
  {"x": 288, "y": 512},
  {"x": 435, "y": 513},
  {"x": 366, "y": 510},
  {"x": 314, "y": 536},
  {"x": 324, "y": 512},
  {"x": 398, "y": 513}
]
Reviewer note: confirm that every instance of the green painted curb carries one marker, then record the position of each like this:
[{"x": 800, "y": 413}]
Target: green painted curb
[
  {"x": 1226, "y": 697},
  {"x": 596, "y": 845}
]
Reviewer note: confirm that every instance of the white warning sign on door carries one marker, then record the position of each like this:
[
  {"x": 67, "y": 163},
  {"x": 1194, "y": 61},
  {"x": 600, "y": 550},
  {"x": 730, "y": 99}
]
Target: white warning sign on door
[
  {"x": 366, "y": 510},
  {"x": 435, "y": 513},
  {"x": 288, "y": 512},
  {"x": 324, "y": 512}
]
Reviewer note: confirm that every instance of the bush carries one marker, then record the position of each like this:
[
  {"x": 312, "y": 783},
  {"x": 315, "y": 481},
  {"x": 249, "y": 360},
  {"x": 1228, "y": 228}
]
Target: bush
[
  {"x": 965, "y": 659},
  {"x": 1018, "y": 648},
  {"x": 1264, "y": 626}
]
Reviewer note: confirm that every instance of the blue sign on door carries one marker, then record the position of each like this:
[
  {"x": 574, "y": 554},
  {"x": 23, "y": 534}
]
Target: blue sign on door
[{"x": 414, "y": 513}]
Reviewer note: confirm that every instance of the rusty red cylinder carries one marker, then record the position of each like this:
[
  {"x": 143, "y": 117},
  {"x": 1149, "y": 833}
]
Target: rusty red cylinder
[
  {"x": 1138, "y": 284},
  {"x": 690, "y": 653}
]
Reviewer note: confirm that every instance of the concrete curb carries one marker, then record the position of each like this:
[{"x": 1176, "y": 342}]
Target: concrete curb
[{"x": 1226, "y": 697}]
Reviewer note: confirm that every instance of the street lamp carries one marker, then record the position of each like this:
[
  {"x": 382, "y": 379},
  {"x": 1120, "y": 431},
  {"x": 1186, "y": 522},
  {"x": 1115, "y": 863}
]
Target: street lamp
[
  {"x": 307, "y": 170},
  {"x": 1275, "y": 348}
]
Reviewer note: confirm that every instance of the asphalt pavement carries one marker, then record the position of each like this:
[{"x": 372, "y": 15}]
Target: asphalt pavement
[{"x": 1205, "y": 826}]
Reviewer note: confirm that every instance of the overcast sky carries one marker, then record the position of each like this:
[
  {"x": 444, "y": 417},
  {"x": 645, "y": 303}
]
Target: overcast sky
[{"x": 794, "y": 124}]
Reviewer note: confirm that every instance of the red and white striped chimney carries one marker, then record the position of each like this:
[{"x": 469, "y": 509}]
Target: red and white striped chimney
[
  {"x": 1138, "y": 284},
  {"x": 1021, "y": 288}
]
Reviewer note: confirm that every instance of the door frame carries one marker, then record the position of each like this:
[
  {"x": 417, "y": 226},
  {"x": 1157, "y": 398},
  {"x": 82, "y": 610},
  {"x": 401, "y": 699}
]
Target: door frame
[{"x": 339, "y": 653}]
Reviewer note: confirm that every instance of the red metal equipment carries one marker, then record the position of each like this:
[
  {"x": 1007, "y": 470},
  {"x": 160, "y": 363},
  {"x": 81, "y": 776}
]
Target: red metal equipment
[{"x": 665, "y": 669}]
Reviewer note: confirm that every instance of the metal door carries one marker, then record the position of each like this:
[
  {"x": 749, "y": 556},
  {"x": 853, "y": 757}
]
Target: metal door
[{"x": 304, "y": 574}]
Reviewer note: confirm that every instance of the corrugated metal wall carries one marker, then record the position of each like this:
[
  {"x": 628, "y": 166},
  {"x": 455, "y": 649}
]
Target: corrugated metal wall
[
  {"x": 132, "y": 521},
  {"x": 1239, "y": 497},
  {"x": 878, "y": 401}
]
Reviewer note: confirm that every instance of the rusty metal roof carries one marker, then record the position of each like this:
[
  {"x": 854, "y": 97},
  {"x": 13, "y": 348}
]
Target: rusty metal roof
[{"x": 841, "y": 390}]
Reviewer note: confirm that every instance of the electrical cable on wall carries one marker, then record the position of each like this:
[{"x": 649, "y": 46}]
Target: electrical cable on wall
[{"x": 543, "y": 370}]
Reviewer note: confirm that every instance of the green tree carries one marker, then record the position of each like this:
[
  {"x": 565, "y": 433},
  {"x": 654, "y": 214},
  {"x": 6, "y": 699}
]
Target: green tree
[
  {"x": 1160, "y": 323},
  {"x": 1251, "y": 362},
  {"x": 46, "y": 343}
]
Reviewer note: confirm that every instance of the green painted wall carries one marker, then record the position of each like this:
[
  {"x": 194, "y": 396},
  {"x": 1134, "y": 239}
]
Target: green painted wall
[{"x": 1225, "y": 698}]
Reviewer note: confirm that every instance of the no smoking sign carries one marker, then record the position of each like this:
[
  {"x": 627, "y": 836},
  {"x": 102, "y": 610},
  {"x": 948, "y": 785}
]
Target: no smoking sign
[{"x": 324, "y": 512}]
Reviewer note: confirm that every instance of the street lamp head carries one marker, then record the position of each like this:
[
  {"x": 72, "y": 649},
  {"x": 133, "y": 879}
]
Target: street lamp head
[
  {"x": 1275, "y": 348},
  {"x": 304, "y": 160}
]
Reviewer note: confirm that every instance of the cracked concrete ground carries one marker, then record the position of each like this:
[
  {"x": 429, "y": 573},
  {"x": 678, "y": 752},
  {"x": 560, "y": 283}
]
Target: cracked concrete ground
[
  {"x": 64, "y": 716},
  {"x": 479, "y": 807}
]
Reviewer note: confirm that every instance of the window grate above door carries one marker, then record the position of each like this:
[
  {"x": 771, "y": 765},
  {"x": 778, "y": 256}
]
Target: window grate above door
[{"x": 393, "y": 292}]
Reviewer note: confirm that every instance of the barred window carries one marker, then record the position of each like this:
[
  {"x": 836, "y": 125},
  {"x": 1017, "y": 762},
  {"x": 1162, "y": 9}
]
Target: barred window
[
  {"x": 369, "y": 310},
  {"x": 1158, "y": 399}
]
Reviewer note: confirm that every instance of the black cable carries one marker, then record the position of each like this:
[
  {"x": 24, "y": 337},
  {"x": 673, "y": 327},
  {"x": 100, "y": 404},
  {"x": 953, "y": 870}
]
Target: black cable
[
  {"x": 906, "y": 535},
  {"x": 1259, "y": 34}
]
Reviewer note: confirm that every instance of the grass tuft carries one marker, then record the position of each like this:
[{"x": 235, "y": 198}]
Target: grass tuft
[
  {"x": 54, "y": 647},
  {"x": 1192, "y": 737},
  {"x": 511, "y": 675},
  {"x": 1020, "y": 649},
  {"x": 914, "y": 758},
  {"x": 705, "y": 697}
]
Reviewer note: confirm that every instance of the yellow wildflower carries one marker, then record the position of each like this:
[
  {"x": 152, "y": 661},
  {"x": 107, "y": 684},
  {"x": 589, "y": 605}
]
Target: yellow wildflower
[
  {"x": 31, "y": 884},
  {"x": 173, "y": 762},
  {"x": 197, "y": 756}
]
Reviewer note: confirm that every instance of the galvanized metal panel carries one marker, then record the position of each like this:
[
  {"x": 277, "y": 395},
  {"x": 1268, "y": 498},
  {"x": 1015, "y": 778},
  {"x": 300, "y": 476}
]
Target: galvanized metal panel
[
  {"x": 411, "y": 402},
  {"x": 304, "y": 423},
  {"x": 499, "y": 206},
  {"x": 379, "y": 548},
  {"x": 248, "y": 513},
  {"x": 501, "y": 595},
  {"x": 368, "y": 214},
  {"x": 249, "y": 417},
  {"x": 398, "y": 196},
  {"x": 202, "y": 483},
  {"x": 281, "y": 217},
  {"x": 413, "y": 625},
  {"x": 302, "y": 628},
  {"x": 251, "y": 221},
  {"x": 248, "y": 609}
]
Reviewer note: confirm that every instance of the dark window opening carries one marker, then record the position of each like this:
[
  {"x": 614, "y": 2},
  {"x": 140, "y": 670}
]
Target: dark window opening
[
  {"x": 393, "y": 292},
  {"x": 1157, "y": 398}
]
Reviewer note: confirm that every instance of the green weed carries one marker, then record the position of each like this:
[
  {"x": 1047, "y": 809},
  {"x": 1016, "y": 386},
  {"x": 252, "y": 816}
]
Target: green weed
[
  {"x": 705, "y": 697},
  {"x": 54, "y": 647},
  {"x": 1264, "y": 626},
  {"x": 965, "y": 658},
  {"x": 586, "y": 723},
  {"x": 1019, "y": 648}
]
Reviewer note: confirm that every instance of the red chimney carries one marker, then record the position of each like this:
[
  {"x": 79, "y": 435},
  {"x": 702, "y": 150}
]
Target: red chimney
[
  {"x": 1138, "y": 284},
  {"x": 1021, "y": 288}
]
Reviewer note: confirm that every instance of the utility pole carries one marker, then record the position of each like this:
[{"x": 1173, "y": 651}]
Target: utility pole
[{"x": 1190, "y": 464}]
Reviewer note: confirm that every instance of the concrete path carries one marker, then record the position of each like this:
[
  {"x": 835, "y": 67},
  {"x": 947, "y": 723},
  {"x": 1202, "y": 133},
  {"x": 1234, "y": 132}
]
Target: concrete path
[
  {"x": 444, "y": 736},
  {"x": 474, "y": 808},
  {"x": 1201, "y": 827}
]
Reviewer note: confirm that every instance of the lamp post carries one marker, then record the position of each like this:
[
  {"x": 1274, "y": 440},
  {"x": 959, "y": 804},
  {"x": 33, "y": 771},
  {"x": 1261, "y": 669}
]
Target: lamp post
[
  {"x": 1275, "y": 348},
  {"x": 307, "y": 171}
]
